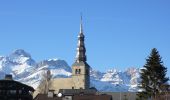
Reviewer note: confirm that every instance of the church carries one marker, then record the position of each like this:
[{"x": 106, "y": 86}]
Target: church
[
  {"x": 76, "y": 87},
  {"x": 80, "y": 78}
]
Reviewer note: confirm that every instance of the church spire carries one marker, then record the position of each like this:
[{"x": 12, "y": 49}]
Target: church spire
[
  {"x": 81, "y": 50},
  {"x": 81, "y": 25}
]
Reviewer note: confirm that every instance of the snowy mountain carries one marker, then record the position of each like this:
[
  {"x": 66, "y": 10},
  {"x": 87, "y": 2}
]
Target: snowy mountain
[
  {"x": 19, "y": 64},
  {"x": 26, "y": 70},
  {"x": 114, "y": 80}
]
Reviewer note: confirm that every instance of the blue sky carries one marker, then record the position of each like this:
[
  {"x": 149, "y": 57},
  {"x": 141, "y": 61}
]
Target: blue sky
[{"x": 119, "y": 33}]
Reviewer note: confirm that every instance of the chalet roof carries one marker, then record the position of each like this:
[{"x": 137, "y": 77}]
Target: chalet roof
[
  {"x": 93, "y": 97},
  {"x": 45, "y": 97},
  {"x": 15, "y": 85},
  {"x": 75, "y": 97},
  {"x": 77, "y": 91}
]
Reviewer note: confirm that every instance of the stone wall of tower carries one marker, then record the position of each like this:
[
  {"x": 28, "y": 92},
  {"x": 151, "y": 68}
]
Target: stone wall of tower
[
  {"x": 78, "y": 77},
  {"x": 87, "y": 78},
  {"x": 81, "y": 79}
]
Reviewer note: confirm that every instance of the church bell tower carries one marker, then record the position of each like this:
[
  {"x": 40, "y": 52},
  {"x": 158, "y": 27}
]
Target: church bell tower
[{"x": 80, "y": 69}]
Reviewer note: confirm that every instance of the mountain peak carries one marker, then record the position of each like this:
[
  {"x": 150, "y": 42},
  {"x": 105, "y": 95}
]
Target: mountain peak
[
  {"x": 113, "y": 70},
  {"x": 21, "y": 52},
  {"x": 54, "y": 59},
  {"x": 55, "y": 64}
]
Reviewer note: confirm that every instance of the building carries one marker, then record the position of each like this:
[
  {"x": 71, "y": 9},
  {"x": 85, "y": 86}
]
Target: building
[
  {"x": 80, "y": 78},
  {"x": 121, "y": 95},
  {"x": 75, "y": 97},
  {"x": 74, "y": 94},
  {"x": 77, "y": 87},
  {"x": 46, "y": 97},
  {"x": 14, "y": 90}
]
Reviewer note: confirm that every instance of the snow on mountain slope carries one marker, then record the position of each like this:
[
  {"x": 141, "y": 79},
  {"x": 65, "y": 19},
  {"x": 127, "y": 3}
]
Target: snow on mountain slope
[
  {"x": 114, "y": 80},
  {"x": 105, "y": 86},
  {"x": 19, "y": 64},
  {"x": 24, "y": 69},
  {"x": 35, "y": 79},
  {"x": 55, "y": 63},
  {"x": 95, "y": 75},
  {"x": 58, "y": 69},
  {"x": 112, "y": 76}
]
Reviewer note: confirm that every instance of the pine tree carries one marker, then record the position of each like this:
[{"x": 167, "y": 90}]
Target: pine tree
[{"x": 153, "y": 77}]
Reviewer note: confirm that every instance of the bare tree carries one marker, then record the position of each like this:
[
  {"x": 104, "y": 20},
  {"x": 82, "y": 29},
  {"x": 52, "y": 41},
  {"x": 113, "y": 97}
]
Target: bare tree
[{"x": 45, "y": 82}]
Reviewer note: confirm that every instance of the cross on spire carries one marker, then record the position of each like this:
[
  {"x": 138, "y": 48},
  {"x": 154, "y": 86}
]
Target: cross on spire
[{"x": 81, "y": 25}]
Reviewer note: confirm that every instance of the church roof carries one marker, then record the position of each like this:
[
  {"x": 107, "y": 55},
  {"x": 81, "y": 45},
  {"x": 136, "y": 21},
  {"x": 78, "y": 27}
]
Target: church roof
[
  {"x": 45, "y": 97},
  {"x": 75, "y": 97},
  {"x": 78, "y": 91},
  {"x": 81, "y": 50},
  {"x": 81, "y": 63}
]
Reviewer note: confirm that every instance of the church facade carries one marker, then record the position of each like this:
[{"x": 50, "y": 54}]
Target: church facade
[{"x": 80, "y": 78}]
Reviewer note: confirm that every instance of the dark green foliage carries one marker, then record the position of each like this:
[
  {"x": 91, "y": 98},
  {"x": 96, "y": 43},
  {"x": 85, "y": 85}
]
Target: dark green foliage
[{"x": 153, "y": 76}]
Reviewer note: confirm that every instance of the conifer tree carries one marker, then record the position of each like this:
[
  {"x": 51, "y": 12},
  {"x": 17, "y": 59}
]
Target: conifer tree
[{"x": 153, "y": 77}]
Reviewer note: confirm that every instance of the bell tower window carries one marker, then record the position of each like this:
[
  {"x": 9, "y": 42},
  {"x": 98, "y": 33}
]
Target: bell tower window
[{"x": 77, "y": 71}]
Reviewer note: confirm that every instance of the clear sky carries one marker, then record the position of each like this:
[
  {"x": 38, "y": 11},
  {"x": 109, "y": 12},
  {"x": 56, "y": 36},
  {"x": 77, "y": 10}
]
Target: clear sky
[{"x": 119, "y": 33}]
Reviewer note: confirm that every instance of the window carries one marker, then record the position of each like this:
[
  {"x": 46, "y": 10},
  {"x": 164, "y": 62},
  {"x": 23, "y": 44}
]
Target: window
[
  {"x": 20, "y": 91},
  {"x": 77, "y": 71},
  {"x": 12, "y": 91}
]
